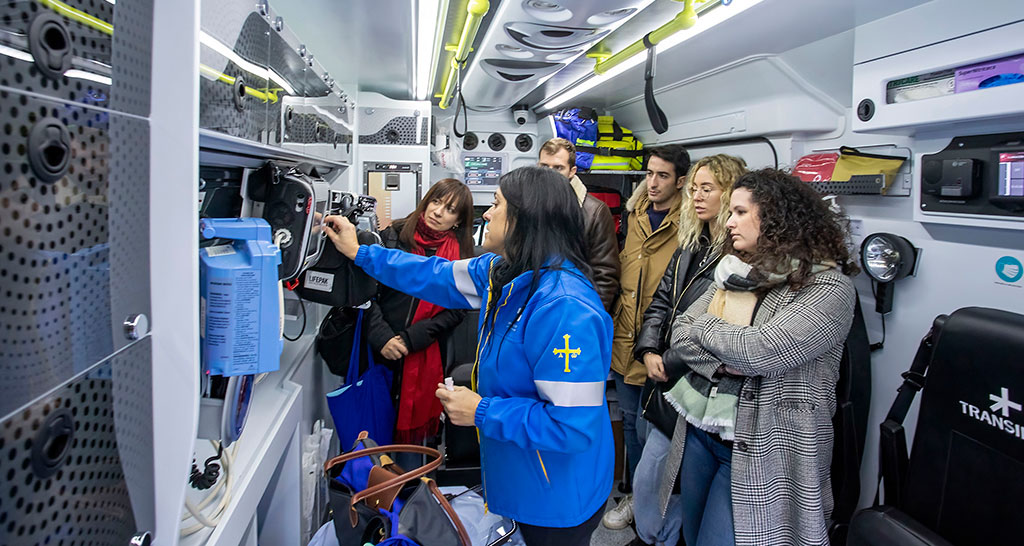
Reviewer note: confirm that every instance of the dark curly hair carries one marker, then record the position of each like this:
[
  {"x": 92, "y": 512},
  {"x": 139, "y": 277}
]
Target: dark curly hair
[{"x": 795, "y": 224}]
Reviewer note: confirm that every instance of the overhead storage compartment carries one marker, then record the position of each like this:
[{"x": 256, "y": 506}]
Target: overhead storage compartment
[
  {"x": 927, "y": 86},
  {"x": 529, "y": 41}
]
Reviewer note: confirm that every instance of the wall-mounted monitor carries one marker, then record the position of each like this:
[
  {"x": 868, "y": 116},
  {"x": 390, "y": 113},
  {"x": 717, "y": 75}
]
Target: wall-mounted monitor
[{"x": 483, "y": 169}]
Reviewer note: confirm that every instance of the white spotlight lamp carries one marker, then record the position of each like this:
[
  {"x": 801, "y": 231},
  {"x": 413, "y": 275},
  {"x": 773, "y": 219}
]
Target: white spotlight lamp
[{"x": 887, "y": 258}]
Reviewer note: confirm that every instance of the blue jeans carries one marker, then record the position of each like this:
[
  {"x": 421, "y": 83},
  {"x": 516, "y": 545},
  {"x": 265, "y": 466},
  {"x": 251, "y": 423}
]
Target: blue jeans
[
  {"x": 705, "y": 493},
  {"x": 629, "y": 404},
  {"x": 650, "y": 526}
]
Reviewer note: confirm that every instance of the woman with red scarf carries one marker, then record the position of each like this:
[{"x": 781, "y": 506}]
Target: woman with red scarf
[{"x": 408, "y": 333}]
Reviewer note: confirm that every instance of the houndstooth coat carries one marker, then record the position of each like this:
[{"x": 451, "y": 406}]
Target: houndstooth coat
[{"x": 781, "y": 490}]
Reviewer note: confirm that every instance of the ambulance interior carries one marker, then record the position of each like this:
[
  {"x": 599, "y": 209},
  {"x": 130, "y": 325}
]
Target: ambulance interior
[{"x": 129, "y": 124}]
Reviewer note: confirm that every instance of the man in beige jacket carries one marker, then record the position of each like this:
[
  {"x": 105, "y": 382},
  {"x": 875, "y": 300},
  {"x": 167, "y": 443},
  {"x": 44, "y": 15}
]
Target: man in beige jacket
[{"x": 652, "y": 226}]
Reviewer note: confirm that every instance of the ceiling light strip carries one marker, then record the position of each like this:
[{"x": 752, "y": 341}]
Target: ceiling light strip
[
  {"x": 709, "y": 17},
  {"x": 437, "y": 47},
  {"x": 426, "y": 45}
]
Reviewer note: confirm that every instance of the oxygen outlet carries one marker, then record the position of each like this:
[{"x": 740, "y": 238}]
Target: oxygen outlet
[
  {"x": 49, "y": 149},
  {"x": 50, "y": 44}
]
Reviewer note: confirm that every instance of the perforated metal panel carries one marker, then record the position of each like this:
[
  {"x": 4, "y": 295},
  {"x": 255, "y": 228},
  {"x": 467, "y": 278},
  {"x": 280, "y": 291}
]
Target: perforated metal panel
[
  {"x": 399, "y": 131},
  {"x": 223, "y": 106},
  {"x": 59, "y": 314},
  {"x": 102, "y": 50},
  {"x": 64, "y": 458}
]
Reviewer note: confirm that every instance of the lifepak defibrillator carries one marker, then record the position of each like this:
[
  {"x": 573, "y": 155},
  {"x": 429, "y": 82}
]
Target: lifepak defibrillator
[
  {"x": 335, "y": 280},
  {"x": 294, "y": 202}
]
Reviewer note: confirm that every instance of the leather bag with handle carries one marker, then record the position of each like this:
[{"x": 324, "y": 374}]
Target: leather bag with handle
[{"x": 425, "y": 517}]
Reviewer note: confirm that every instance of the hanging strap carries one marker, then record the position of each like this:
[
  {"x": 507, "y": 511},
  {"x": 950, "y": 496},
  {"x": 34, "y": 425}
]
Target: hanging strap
[
  {"x": 654, "y": 112},
  {"x": 459, "y": 104},
  {"x": 893, "y": 456}
]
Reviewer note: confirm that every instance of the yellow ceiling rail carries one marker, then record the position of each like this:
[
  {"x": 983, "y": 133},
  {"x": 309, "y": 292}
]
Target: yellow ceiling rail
[
  {"x": 475, "y": 12},
  {"x": 268, "y": 95},
  {"x": 682, "y": 21},
  {"x": 78, "y": 15}
]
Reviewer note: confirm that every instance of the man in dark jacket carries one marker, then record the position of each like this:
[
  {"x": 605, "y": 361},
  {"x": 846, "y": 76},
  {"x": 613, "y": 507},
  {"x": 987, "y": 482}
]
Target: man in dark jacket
[{"x": 598, "y": 226}]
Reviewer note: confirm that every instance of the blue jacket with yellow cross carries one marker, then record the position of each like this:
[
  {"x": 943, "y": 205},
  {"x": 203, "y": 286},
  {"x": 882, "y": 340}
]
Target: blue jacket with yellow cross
[{"x": 545, "y": 434}]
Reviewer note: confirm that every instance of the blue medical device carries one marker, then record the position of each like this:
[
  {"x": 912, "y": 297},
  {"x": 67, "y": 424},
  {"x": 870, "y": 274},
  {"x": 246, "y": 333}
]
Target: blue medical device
[{"x": 239, "y": 306}]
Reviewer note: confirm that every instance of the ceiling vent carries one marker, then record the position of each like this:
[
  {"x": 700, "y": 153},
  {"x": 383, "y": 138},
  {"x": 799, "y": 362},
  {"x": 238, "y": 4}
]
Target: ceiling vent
[{"x": 528, "y": 41}]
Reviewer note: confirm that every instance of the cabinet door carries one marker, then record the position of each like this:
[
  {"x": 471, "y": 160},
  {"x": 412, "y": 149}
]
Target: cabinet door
[
  {"x": 289, "y": 59},
  {"x": 78, "y": 460},
  {"x": 74, "y": 240},
  {"x": 85, "y": 51},
  {"x": 235, "y": 86}
]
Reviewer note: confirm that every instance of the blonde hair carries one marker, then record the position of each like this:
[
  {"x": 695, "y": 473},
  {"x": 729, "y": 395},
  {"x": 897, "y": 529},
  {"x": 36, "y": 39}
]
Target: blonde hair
[{"x": 724, "y": 169}]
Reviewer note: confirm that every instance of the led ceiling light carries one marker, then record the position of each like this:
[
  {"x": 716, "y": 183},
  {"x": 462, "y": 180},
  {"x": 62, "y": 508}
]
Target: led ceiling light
[
  {"x": 706, "y": 21},
  {"x": 887, "y": 258},
  {"x": 426, "y": 45}
]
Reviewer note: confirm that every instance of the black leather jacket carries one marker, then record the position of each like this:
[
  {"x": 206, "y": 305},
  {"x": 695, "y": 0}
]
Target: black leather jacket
[{"x": 675, "y": 294}]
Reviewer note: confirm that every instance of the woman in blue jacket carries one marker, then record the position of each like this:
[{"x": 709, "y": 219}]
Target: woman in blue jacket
[{"x": 545, "y": 349}]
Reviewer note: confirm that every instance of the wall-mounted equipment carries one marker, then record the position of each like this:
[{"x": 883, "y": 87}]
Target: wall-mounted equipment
[
  {"x": 496, "y": 142},
  {"x": 520, "y": 114},
  {"x": 294, "y": 203},
  {"x": 483, "y": 169},
  {"x": 887, "y": 258},
  {"x": 976, "y": 176},
  {"x": 335, "y": 280},
  {"x": 852, "y": 171},
  {"x": 240, "y": 328},
  {"x": 524, "y": 142}
]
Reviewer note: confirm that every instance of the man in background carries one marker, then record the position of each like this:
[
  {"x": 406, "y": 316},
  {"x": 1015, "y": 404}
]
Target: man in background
[{"x": 598, "y": 226}]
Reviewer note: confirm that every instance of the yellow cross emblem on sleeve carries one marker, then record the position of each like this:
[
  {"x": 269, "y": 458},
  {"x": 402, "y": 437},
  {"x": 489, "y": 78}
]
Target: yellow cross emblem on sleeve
[{"x": 567, "y": 352}]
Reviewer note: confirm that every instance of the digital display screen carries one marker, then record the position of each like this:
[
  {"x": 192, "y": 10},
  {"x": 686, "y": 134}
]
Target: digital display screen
[
  {"x": 482, "y": 170},
  {"x": 1011, "y": 174}
]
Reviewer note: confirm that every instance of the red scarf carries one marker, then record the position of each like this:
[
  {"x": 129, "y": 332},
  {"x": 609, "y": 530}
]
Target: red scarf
[{"x": 419, "y": 411}]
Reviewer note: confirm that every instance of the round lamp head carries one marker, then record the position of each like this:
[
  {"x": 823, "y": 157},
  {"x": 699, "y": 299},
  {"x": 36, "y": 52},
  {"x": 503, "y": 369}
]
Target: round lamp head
[{"x": 887, "y": 257}]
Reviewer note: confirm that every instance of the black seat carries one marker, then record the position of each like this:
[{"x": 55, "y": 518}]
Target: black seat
[
  {"x": 850, "y": 425},
  {"x": 460, "y": 446},
  {"x": 964, "y": 479}
]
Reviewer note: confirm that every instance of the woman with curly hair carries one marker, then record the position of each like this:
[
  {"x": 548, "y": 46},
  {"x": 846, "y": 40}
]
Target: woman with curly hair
[{"x": 761, "y": 351}]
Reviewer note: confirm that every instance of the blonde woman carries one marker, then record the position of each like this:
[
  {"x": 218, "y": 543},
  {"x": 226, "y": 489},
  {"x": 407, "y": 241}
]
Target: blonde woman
[{"x": 702, "y": 236}]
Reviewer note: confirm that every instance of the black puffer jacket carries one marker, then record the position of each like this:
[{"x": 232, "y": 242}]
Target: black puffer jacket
[
  {"x": 675, "y": 294},
  {"x": 391, "y": 313}
]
